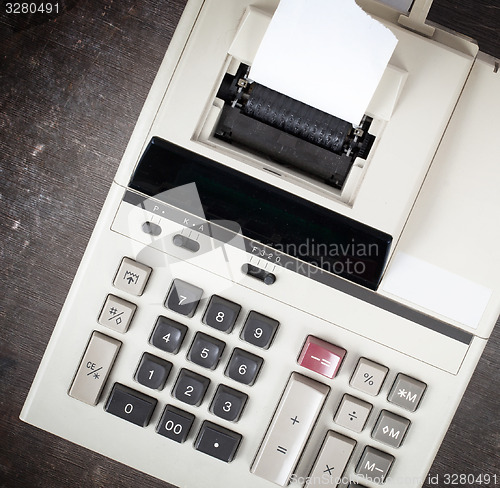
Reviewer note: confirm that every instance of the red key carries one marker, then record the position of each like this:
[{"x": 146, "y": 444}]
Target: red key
[{"x": 321, "y": 357}]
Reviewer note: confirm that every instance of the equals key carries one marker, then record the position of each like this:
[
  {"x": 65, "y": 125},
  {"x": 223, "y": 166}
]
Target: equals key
[
  {"x": 94, "y": 368},
  {"x": 290, "y": 428}
]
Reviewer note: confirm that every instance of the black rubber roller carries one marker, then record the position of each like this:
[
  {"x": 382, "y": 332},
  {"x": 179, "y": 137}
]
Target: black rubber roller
[{"x": 296, "y": 118}]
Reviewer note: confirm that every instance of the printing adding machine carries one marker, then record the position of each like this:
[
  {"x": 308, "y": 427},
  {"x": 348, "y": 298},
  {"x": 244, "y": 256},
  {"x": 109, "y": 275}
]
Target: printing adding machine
[{"x": 284, "y": 297}]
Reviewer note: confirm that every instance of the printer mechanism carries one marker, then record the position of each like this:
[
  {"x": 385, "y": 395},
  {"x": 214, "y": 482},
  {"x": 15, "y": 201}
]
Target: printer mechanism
[{"x": 289, "y": 132}]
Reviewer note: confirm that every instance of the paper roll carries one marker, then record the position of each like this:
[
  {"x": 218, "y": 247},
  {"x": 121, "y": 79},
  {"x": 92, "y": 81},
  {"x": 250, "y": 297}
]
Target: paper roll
[{"x": 329, "y": 54}]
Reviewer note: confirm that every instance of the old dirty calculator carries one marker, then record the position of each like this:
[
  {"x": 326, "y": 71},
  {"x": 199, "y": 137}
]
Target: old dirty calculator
[{"x": 261, "y": 319}]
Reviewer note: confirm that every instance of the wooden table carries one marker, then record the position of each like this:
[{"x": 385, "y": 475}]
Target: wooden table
[{"x": 72, "y": 86}]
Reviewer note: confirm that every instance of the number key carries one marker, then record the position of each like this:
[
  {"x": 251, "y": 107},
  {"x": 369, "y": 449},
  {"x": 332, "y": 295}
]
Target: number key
[
  {"x": 168, "y": 335},
  {"x": 228, "y": 403},
  {"x": 175, "y": 423},
  {"x": 259, "y": 330},
  {"x": 183, "y": 297},
  {"x": 243, "y": 367},
  {"x": 205, "y": 350},
  {"x": 221, "y": 314},
  {"x": 130, "y": 405},
  {"x": 152, "y": 371},
  {"x": 190, "y": 387}
]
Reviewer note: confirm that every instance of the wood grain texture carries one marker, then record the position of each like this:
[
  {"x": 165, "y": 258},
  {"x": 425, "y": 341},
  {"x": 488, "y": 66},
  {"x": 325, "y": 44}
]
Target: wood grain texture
[{"x": 72, "y": 86}]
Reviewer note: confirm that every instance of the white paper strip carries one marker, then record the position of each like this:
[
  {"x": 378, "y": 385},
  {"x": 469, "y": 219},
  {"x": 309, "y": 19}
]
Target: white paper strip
[
  {"x": 329, "y": 54},
  {"x": 436, "y": 289}
]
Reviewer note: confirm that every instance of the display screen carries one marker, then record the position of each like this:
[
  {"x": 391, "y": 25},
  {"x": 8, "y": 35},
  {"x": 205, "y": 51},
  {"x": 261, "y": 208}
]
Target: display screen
[{"x": 269, "y": 215}]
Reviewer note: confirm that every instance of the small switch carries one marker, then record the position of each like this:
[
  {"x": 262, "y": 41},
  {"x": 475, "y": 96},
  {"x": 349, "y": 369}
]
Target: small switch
[
  {"x": 186, "y": 243},
  {"x": 151, "y": 228},
  {"x": 261, "y": 274}
]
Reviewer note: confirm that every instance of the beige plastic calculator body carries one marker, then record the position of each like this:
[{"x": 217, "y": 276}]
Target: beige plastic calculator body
[{"x": 195, "y": 351}]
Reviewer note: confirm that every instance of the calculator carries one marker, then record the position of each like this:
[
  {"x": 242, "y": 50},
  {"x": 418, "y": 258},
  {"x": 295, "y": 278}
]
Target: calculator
[{"x": 237, "y": 320}]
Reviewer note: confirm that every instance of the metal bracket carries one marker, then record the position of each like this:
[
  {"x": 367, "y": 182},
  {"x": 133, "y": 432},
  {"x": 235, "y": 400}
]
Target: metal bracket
[{"x": 417, "y": 17}]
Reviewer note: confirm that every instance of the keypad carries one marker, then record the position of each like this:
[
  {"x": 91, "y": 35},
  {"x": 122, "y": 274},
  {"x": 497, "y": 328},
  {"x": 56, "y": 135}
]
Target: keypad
[
  {"x": 259, "y": 330},
  {"x": 178, "y": 333},
  {"x": 190, "y": 387},
  {"x": 168, "y": 335},
  {"x": 152, "y": 371},
  {"x": 221, "y": 314},
  {"x": 205, "y": 350},
  {"x": 183, "y": 298},
  {"x": 243, "y": 367},
  {"x": 175, "y": 424}
]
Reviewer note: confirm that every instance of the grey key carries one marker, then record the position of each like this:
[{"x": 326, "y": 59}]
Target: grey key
[
  {"x": 168, "y": 335},
  {"x": 332, "y": 460},
  {"x": 228, "y": 403},
  {"x": 117, "y": 314},
  {"x": 407, "y": 392},
  {"x": 130, "y": 405},
  {"x": 190, "y": 387},
  {"x": 175, "y": 424},
  {"x": 290, "y": 428},
  {"x": 94, "y": 368},
  {"x": 132, "y": 276},
  {"x": 259, "y": 330},
  {"x": 183, "y": 297},
  {"x": 374, "y": 465},
  {"x": 218, "y": 442},
  {"x": 369, "y": 376},
  {"x": 390, "y": 428},
  {"x": 243, "y": 367},
  {"x": 221, "y": 314},
  {"x": 205, "y": 350},
  {"x": 353, "y": 413},
  {"x": 152, "y": 371}
]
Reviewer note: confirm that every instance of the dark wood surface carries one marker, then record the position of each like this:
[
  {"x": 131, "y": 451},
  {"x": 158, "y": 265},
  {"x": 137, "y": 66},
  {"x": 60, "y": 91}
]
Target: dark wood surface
[{"x": 72, "y": 86}]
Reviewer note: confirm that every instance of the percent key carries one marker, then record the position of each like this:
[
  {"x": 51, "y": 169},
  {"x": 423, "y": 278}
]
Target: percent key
[{"x": 369, "y": 376}]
